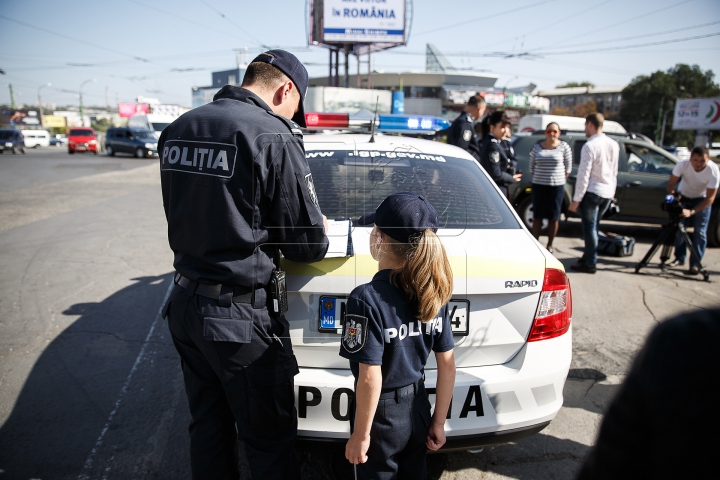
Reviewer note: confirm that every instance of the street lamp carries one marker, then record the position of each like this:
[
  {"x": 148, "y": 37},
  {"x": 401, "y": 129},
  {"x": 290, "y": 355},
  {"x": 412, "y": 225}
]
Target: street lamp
[
  {"x": 40, "y": 101},
  {"x": 508, "y": 83},
  {"x": 82, "y": 110},
  {"x": 662, "y": 132}
]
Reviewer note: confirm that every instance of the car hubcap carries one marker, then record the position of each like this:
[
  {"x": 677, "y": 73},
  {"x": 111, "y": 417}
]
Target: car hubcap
[{"x": 529, "y": 218}]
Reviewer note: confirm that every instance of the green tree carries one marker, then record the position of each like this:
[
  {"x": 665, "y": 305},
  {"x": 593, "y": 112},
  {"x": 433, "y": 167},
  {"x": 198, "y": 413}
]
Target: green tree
[
  {"x": 101, "y": 125},
  {"x": 576, "y": 84},
  {"x": 644, "y": 96}
]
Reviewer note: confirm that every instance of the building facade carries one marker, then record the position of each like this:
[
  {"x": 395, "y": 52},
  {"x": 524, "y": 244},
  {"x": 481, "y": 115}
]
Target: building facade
[{"x": 607, "y": 99}]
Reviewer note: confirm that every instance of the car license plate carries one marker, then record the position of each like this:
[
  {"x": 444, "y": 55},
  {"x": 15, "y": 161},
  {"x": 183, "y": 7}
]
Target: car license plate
[
  {"x": 332, "y": 315},
  {"x": 80, "y": 148}
]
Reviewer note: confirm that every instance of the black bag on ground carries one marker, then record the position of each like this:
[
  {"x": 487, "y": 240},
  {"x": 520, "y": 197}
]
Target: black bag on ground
[{"x": 615, "y": 245}]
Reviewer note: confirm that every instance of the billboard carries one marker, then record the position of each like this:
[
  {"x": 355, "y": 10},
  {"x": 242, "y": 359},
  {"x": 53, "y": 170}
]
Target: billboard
[
  {"x": 127, "y": 110},
  {"x": 697, "y": 114},
  {"x": 21, "y": 118},
  {"x": 363, "y": 21},
  {"x": 54, "y": 121}
]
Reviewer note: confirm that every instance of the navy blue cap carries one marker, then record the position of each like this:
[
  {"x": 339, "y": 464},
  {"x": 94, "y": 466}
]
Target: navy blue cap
[
  {"x": 402, "y": 215},
  {"x": 290, "y": 66}
]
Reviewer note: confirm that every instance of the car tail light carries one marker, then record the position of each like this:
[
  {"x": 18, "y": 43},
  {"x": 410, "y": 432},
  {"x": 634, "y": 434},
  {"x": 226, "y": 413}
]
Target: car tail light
[
  {"x": 327, "y": 120},
  {"x": 554, "y": 310}
]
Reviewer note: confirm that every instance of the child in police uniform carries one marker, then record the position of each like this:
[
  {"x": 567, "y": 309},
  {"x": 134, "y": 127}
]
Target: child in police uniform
[{"x": 391, "y": 325}]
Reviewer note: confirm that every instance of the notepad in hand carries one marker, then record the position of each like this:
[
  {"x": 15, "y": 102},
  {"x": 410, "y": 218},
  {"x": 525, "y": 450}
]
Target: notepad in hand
[{"x": 340, "y": 239}]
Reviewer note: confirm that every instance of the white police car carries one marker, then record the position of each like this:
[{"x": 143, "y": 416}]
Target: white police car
[{"x": 511, "y": 307}]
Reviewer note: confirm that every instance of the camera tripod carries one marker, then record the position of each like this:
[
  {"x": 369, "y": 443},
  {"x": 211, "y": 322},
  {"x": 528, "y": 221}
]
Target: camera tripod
[{"x": 667, "y": 237}]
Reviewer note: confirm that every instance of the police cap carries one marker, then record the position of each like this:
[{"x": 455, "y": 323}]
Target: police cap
[
  {"x": 402, "y": 215},
  {"x": 290, "y": 66}
]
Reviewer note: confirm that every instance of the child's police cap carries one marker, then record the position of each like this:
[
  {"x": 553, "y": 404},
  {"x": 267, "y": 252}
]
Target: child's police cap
[
  {"x": 402, "y": 215},
  {"x": 290, "y": 66}
]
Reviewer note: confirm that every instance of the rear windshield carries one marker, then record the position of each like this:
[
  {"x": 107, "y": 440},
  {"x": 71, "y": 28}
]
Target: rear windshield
[
  {"x": 349, "y": 185},
  {"x": 6, "y": 135},
  {"x": 81, "y": 133}
]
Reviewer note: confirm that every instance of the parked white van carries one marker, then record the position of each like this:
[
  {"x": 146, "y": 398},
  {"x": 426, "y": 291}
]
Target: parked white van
[
  {"x": 36, "y": 138},
  {"x": 532, "y": 123},
  {"x": 154, "y": 122}
]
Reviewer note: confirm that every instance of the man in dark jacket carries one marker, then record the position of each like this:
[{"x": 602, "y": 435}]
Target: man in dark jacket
[
  {"x": 462, "y": 130},
  {"x": 237, "y": 192}
]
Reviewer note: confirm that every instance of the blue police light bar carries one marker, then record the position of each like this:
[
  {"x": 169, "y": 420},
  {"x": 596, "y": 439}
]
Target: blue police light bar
[{"x": 411, "y": 124}]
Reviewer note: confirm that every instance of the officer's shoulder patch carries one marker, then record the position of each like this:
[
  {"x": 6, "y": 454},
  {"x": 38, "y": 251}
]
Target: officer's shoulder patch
[
  {"x": 495, "y": 157},
  {"x": 467, "y": 135},
  {"x": 311, "y": 189},
  {"x": 354, "y": 332},
  {"x": 494, "y": 140}
]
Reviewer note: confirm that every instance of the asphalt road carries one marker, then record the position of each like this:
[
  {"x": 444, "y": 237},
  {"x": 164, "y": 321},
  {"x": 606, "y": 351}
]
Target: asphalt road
[{"x": 90, "y": 384}]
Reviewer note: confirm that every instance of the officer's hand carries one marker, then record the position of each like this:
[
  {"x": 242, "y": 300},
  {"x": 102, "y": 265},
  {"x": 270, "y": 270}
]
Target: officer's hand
[
  {"x": 435, "y": 437},
  {"x": 356, "y": 449},
  {"x": 574, "y": 206},
  {"x": 517, "y": 177},
  {"x": 325, "y": 225},
  {"x": 686, "y": 213}
]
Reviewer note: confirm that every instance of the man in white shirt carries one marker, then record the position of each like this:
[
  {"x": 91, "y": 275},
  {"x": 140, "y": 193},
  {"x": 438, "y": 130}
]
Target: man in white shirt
[
  {"x": 700, "y": 179},
  {"x": 595, "y": 186}
]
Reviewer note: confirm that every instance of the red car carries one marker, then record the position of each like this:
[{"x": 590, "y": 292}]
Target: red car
[{"x": 82, "y": 140}]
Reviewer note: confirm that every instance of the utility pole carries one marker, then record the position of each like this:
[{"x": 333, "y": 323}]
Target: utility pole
[
  {"x": 40, "y": 107},
  {"x": 659, "y": 120},
  {"x": 82, "y": 109},
  {"x": 107, "y": 97},
  {"x": 12, "y": 97}
]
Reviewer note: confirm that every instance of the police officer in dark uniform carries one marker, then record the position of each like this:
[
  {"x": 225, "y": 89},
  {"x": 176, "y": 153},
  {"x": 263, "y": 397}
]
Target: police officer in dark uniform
[
  {"x": 462, "y": 130},
  {"x": 493, "y": 157},
  {"x": 238, "y": 192},
  {"x": 391, "y": 326}
]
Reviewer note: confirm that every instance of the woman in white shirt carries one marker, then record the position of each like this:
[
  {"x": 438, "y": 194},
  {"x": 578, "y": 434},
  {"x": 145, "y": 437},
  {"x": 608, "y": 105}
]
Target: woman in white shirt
[{"x": 550, "y": 165}]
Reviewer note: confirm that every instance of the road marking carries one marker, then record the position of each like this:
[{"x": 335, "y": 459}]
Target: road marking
[{"x": 89, "y": 462}]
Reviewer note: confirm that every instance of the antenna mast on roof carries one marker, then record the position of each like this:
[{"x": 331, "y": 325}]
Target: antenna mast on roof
[{"x": 372, "y": 125}]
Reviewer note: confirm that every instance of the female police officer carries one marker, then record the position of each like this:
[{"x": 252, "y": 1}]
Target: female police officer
[
  {"x": 492, "y": 154},
  {"x": 391, "y": 325}
]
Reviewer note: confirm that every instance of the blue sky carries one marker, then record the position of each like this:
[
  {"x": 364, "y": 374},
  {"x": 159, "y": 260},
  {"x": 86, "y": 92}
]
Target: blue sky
[{"x": 162, "y": 48}]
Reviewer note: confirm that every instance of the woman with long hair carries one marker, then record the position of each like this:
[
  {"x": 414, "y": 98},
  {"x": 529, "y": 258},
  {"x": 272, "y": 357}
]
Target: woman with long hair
[
  {"x": 550, "y": 165},
  {"x": 391, "y": 326},
  {"x": 493, "y": 157}
]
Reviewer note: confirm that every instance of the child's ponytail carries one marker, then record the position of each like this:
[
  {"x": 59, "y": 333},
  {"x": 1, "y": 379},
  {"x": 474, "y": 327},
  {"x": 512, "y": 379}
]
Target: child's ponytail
[{"x": 425, "y": 277}]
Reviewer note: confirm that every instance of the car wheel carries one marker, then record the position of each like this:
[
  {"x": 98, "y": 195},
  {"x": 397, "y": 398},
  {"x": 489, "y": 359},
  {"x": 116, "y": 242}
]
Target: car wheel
[
  {"x": 109, "y": 151},
  {"x": 525, "y": 210},
  {"x": 714, "y": 227},
  {"x": 71, "y": 152},
  {"x": 140, "y": 153},
  {"x": 37, "y": 145}
]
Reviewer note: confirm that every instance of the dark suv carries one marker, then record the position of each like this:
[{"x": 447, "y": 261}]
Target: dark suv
[
  {"x": 136, "y": 141},
  {"x": 643, "y": 172},
  {"x": 11, "y": 140}
]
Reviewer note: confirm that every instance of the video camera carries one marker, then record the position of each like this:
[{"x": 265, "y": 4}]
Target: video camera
[{"x": 672, "y": 206}]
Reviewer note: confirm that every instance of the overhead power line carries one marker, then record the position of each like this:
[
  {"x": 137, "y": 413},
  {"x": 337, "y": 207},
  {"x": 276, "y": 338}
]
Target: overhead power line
[
  {"x": 621, "y": 47},
  {"x": 635, "y": 37},
  {"x": 67, "y": 37},
  {"x": 617, "y": 24},
  {"x": 234, "y": 24},
  {"x": 484, "y": 17}
]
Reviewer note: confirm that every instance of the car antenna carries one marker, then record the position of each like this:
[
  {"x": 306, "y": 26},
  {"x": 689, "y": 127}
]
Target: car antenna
[{"x": 372, "y": 125}]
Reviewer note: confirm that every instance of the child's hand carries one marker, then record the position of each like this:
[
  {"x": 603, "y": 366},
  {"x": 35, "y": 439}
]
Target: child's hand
[
  {"x": 436, "y": 436},
  {"x": 357, "y": 447}
]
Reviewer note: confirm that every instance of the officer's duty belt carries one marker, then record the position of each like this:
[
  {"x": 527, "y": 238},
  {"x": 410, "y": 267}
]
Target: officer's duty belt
[{"x": 216, "y": 291}]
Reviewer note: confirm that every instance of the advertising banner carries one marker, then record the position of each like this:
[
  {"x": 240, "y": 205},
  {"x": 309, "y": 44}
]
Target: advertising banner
[
  {"x": 127, "y": 110},
  {"x": 21, "y": 118},
  {"x": 364, "y": 21},
  {"x": 54, "y": 121},
  {"x": 697, "y": 114}
]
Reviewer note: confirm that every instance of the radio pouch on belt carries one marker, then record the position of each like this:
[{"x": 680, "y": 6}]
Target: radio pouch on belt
[{"x": 278, "y": 289}]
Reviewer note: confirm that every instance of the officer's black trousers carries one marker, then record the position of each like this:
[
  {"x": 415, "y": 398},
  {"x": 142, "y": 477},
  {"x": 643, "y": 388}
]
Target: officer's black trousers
[
  {"x": 398, "y": 435},
  {"x": 239, "y": 382}
]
